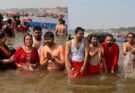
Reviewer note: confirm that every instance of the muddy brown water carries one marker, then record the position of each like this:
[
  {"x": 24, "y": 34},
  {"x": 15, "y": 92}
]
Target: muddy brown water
[{"x": 14, "y": 81}]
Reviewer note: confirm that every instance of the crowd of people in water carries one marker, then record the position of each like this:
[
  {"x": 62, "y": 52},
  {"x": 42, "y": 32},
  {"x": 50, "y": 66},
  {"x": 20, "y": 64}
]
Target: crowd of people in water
[
  {"x": 12, "y": 25},
  {"x": 78, "y": 56}
]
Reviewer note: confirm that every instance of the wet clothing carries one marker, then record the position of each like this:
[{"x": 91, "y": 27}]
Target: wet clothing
[
  {"x": 94, "y": 70},
  {"x": 77, "y": 65},
  {"x": 77, "y": 59},
  {"x": 77, "y": 54},
  {"x": 129, "y": 65},
  {"x": 21, "y": 56},
  {"x": 111, "y": 55},
  {"x": 6, "y": 53},
  {"x": 23, "y": 28}
]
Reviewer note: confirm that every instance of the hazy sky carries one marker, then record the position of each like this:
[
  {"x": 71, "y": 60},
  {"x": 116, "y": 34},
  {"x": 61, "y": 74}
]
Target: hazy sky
[
  {"x": 95, "y": 14},
  {"x": 4, "y": 4}
]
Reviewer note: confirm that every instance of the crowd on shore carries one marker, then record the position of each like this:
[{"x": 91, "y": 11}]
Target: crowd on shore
[{"x": 78, "y": 56}]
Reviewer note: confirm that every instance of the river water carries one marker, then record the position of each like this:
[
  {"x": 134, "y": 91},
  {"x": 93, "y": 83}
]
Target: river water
[{"x": 14, "y": 81}]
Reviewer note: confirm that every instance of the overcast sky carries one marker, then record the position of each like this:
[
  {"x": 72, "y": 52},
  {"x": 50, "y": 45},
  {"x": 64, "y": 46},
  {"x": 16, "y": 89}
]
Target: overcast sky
[
  {"x": 4, "y": 4},
  {"x": 95, "y": 14}
]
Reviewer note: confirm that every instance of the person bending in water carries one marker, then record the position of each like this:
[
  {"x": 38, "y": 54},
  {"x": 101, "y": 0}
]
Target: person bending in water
[
  {"x": 97, "y": 62},
  {"x": 52, "y": 55},
  {"x": 111, "y": 54},
  {"x": 129, "y": 53},
  {"x": 76, "y": 54},
  {"x": 26, "y": 57},
  {"x": 6, "y": 54}
]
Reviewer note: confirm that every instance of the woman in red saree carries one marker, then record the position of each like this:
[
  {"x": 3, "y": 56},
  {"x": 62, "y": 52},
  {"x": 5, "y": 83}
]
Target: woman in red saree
[{"x": 26, "y": 57}]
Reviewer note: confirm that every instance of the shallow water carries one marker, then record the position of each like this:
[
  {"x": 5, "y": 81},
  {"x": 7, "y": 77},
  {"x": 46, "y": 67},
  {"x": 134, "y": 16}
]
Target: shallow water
[{"x": 14, "y": 81}]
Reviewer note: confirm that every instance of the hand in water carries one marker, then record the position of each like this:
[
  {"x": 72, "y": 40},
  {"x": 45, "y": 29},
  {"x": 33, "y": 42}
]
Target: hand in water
[
  {"x": 112, "y": 71},
  {"x": 74, "y": 72},
  {"x": 83, "y": 69}
]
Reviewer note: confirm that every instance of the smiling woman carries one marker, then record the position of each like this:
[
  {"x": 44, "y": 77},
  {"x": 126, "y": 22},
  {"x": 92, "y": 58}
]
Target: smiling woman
[{"x": 26, "y": 57}]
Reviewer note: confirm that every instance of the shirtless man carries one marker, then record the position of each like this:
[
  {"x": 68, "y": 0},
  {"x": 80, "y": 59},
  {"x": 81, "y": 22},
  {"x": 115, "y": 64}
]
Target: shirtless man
[
  {"x": 129, "y": 52},
  {"x": 130, "y": 45},
  {"x": 97, "y": 61},
  {"x": 52, "y": 55},
  {"x": 37, "y": 40},
  {"x": 76, "y": 54},
  {"x": 61, "y": 29}
]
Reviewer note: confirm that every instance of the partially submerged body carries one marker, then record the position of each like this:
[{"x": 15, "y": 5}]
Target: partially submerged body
[
  {"x": 52, "y": 59},
  {"x": 129, "y": 53},
  {"x": 52, "y": 55},
  {"x": 96, "y": 63}
]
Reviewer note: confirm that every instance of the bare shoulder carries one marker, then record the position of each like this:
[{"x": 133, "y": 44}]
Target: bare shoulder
[
  {"x": 125, "y": 43},
  {"x": 68, "y": 43},
  {"x": 60, "y": 47},
  {"x": 43, "y": 48}
]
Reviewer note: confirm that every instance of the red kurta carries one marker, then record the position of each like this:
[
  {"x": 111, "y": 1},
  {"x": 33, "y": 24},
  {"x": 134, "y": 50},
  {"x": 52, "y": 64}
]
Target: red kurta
[
  {"x": 111, "y": 56},
  {"x": 20, "y": 56}
]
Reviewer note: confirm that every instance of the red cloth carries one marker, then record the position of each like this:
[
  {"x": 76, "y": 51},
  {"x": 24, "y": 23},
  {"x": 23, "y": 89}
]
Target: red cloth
[
  {"x": 77, "y": 66},
  {"x": 111, "y": 56},
  {"x": 93, "y": 70},
  {"x": 20, "y": 56},
  {"x": 23, "y": 28}
]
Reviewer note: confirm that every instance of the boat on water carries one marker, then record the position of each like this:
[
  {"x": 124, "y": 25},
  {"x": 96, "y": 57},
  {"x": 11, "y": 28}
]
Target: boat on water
[
  {"x": 30, "y": 23},
  {"x": 41, "y": 24}
]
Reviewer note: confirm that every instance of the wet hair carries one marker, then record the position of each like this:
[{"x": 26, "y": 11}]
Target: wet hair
[
  {"x": 27, "y": 35},
  {"x": 61, "y": 21},
  {"x": 93, "y": 36},
  {"x": 79, "y": 29},
  {"x": 2, "y": 34},
  {"x": 109, "y": 35},
  {"x": 37, "y": 28},
  {"x": 48, "y": 34},
  {"x": 25, "y": 23},
  {"x": 9, "y": 21},
  {"x": 14, "y": 17},
  {"x": 131, "y": 34},
  {"x": 90, "y": 36}
]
